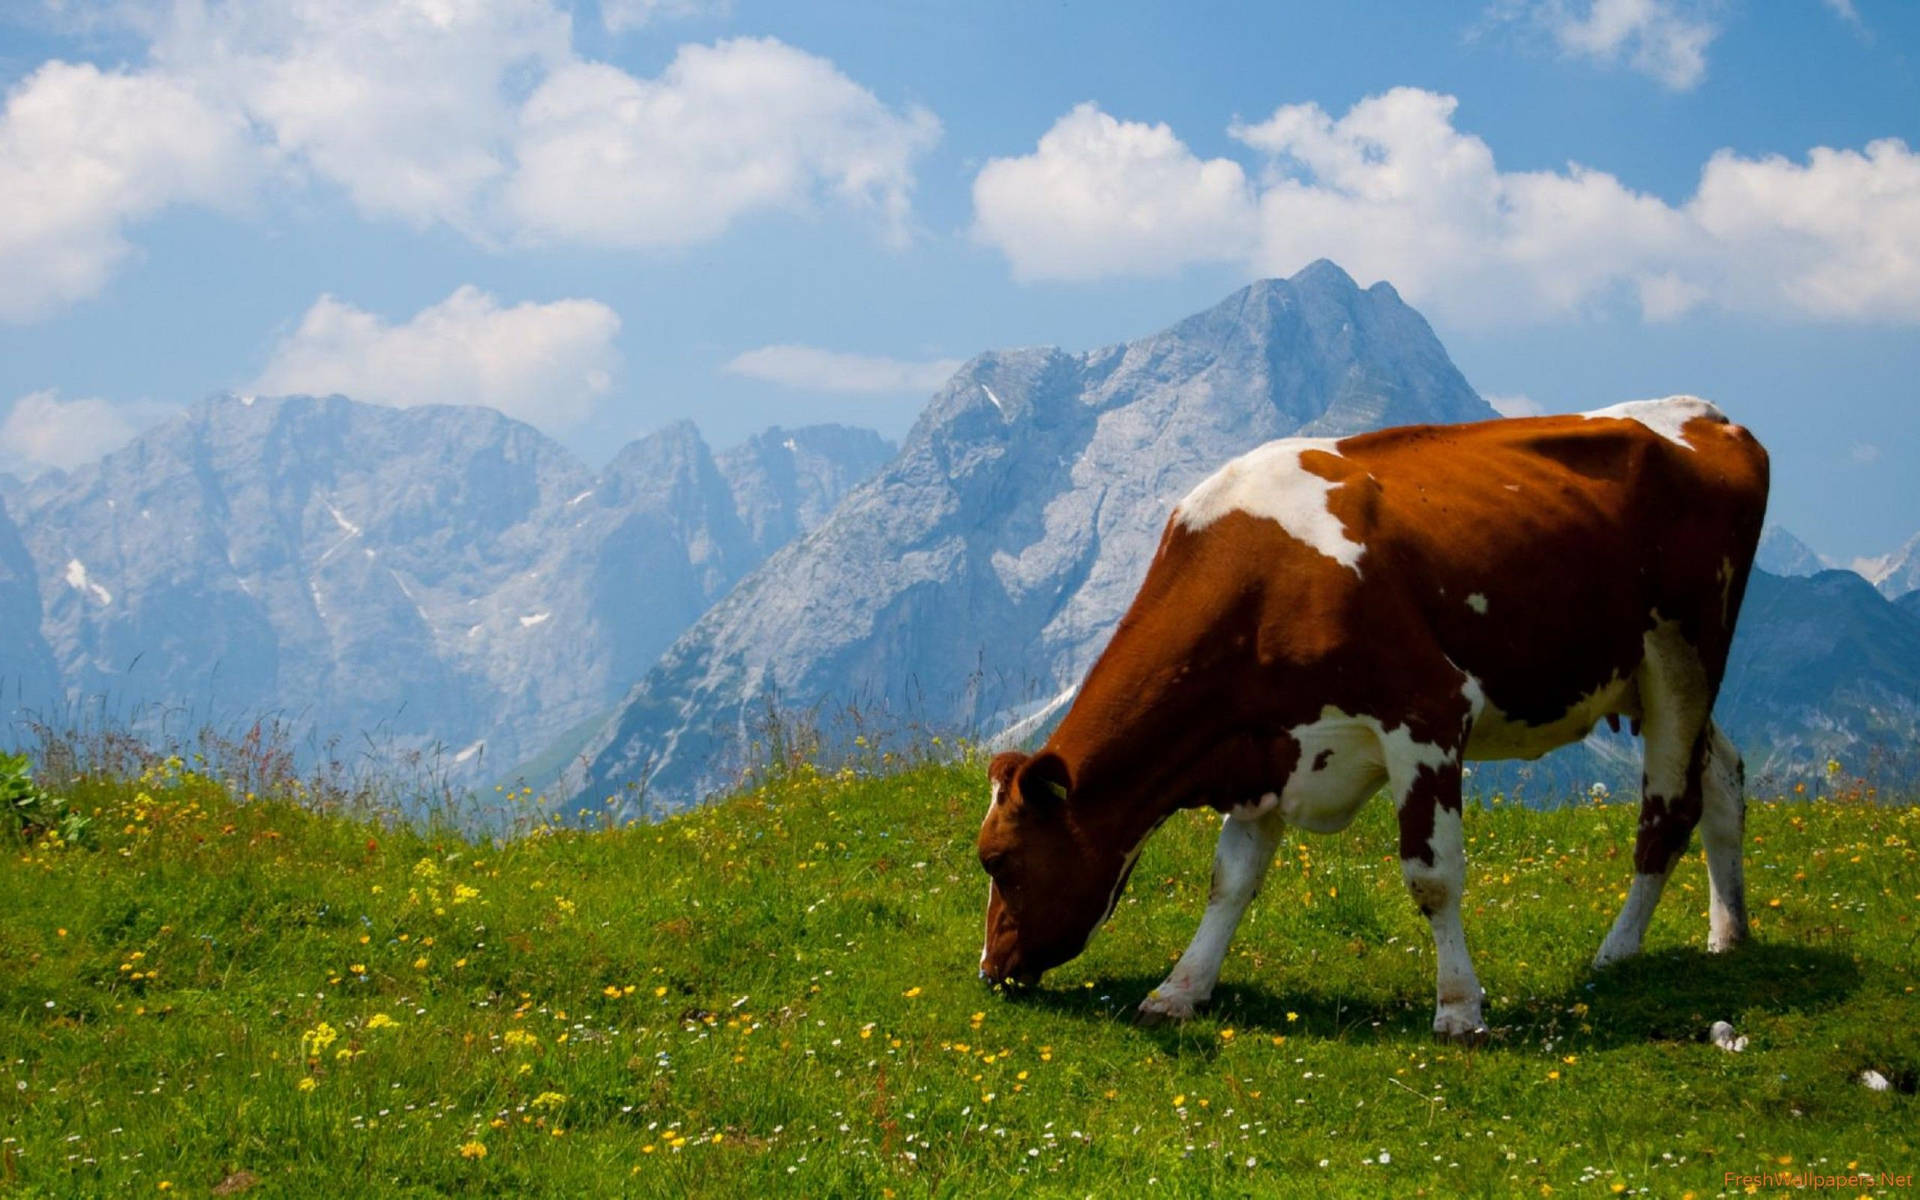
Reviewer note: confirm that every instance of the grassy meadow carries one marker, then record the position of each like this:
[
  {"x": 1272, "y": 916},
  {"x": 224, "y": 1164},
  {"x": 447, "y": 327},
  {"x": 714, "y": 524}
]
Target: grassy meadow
[{"x": 776, "y": 996}]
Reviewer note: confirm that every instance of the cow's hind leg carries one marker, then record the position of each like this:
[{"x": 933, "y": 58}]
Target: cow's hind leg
[
  {"x": 1723, "y": 832},
  {"x": 1433, "y": 861},
  {"x": 1240, "y": 862},
  {"x": 1676, "y": 700}
]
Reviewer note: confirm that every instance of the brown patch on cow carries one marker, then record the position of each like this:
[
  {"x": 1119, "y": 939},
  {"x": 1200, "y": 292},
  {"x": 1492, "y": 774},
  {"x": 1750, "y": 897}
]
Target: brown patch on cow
[
  {"x": 1667, "y": 824},
  {"x": 1434, "y": 788}
]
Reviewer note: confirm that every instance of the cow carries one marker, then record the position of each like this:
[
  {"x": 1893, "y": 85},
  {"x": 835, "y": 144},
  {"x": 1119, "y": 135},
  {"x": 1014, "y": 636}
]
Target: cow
[{"x": 1324, "y": 616}]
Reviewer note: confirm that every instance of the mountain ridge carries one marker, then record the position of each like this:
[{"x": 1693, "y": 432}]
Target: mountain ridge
[{"x": 978, "y": 574}]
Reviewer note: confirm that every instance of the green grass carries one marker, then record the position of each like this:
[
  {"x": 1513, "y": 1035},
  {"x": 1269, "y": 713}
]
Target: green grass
[{"x": 776, "y": 996}]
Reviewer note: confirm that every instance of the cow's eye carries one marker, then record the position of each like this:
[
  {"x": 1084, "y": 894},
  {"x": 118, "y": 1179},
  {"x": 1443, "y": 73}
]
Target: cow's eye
[{"x": 993, "y": 861}]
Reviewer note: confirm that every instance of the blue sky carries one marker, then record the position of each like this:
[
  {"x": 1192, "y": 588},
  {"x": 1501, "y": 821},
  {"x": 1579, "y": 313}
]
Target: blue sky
[{"x": 602, "y": 218}]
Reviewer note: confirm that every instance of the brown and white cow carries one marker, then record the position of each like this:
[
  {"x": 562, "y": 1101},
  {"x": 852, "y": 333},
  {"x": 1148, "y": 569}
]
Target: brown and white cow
[{"x": 1324, "y": 616}]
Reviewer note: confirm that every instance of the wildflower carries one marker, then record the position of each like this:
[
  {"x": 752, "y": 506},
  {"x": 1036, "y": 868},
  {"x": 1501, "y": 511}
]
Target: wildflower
[
  {"x": 660, "y": 991},
  {"x": 1293, "y": 1016},
  {"x": 381, "y": 1020},
  {"x": 611, "y": 991},
  {"x": 420, "y": 964},
  {"x": 315, "y": 1041},
  {"x": 307, "y": 1083},
  {"x": 473, "y": 1150},
  {"x": 548, "y": 1100},
  {"x": 1226, "y": 1035},
  {"x": 358, "y": 968},
  {"x": 910, "y": 993},
  {"x": 520, "y": 1037}
]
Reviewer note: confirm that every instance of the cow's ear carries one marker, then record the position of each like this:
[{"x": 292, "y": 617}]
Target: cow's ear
[
  {"x": 1044, "y": 781},
  {"x": 1000, "y": 773}
]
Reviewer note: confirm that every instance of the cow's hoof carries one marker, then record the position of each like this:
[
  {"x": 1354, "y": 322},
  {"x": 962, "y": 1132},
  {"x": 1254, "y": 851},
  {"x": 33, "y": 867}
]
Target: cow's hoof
[
  {"x": 1461, "y": 1027},
  {"x": 1158, "y": 1009}
]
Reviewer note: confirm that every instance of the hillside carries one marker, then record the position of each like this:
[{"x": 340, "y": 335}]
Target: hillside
[{"x": 775, "y": 996}]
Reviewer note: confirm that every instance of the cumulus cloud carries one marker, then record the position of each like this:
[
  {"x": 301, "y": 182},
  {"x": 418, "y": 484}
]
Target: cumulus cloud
[
  {"x": 1665, "y": 40},
  {"x": 406, "y": 107},
  {"x": 625, "y": 16},
  {"x": 1101, "y": 196},
  {"x": 1393, "y": 190},
  {"x": 479, "y": 117},
  {"x": 816, "y": 370},
  {"x": 42, "y": 430},
  {"x": 543, "y": 363},
  {"x": 748, "y": 124},
  {"x": 83, "y": 154}
]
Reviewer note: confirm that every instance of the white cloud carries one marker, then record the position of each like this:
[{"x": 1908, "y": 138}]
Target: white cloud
[
  {"x": 42, "y": 430},
  {"x": 745, "y": 125},
  {"x": 1393, "y": 190},
  {"x": 1864, "y": 452},
  {"x": 1101, "y": 196},
  {"x": 1845, "y": 10},
  {"x": 83, "y": 154},
  {"x": 472, "y": 114},
  {"x": 625, "y": 16},
  {"x": 818, "y": 370},
  {"x": 542, "y": 363},
  {"x": 1515, "y": 405},
  {"x": 405, "y": 106},
  {"x": 1665, "y": 40}
]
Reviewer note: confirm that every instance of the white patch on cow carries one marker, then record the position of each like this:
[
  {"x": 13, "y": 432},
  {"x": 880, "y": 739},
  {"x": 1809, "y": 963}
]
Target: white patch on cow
[
  {"x": 1240, "y": 862},
  {"x": 1270, "y": 482},
  {"x": 1666, "y": 417},
  {"x": 1477, "y": 603},
  {"x": 994, "y": 398},
  {"x": 532, "y": 619},
  {"x": 78, "y": 581},
  {"x": 1325, "y": 800}
]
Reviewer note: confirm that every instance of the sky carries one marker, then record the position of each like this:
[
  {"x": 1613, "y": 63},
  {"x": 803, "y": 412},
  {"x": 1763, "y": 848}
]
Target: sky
[{"x": 602, "y": 217}]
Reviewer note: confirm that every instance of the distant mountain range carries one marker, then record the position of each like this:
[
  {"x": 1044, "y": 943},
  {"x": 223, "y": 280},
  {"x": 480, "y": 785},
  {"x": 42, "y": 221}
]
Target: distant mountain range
[
  {"x": 444, "y": 578},
  {"x": 419, "y": 577},
  {"x": 1894, "y": 574}
]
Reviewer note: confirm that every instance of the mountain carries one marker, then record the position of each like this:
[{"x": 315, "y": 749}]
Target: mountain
[
  {"x": 1781, "y": 553},
  {"x": 972, "y": 582},
  {"x": 29, "y": 681},
  {"x": 785, "y": 482},
  {"x": 1824, "y": 668},
  {"x": 419, "y": 577},
  {"x": 1895, "y": 574}
]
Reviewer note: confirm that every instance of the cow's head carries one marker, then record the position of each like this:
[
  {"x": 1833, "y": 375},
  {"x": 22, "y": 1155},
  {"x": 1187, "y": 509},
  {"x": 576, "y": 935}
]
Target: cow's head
[{"x": 1050, "y": 883}]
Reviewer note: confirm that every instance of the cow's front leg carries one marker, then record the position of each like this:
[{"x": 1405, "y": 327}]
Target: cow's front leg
[
  {"x": 1433, "y": 862},
  {"x": 1240, "y": 861}
]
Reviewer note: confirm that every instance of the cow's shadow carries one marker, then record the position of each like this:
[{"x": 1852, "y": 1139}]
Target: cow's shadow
[{"x": 1669, "y": 995}]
